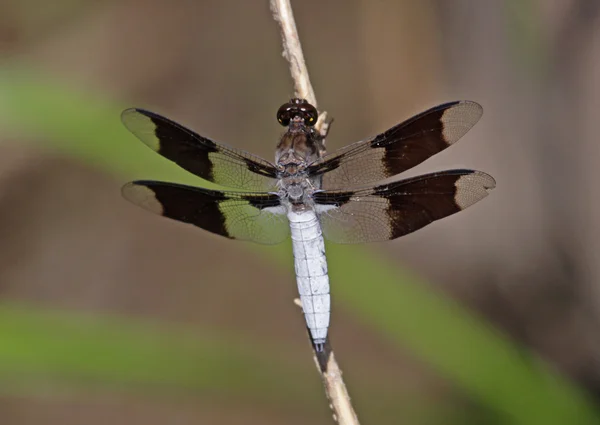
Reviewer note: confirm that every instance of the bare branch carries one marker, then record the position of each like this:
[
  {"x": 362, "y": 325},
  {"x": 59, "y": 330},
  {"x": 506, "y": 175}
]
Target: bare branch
[
  {"x": 335, "y": 388},
  {"x": 292, "y": 51},
  {"x": 331, "y": 374}
]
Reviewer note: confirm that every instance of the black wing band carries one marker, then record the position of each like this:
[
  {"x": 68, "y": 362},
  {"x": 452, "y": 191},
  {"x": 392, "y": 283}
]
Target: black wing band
[
  {"x": 257, "y": 217},
  {"x": 389, "y": 211},
  {"x": 399, "y": 148},
  {"x": 199, "y": 155}
]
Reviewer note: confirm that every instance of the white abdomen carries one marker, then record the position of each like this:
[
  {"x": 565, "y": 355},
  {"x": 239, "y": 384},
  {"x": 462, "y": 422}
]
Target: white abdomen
[{"x": 311, "y": 272}]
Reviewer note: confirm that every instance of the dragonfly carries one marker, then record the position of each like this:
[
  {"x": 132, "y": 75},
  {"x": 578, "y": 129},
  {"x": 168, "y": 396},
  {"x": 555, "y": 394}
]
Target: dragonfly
[{"x": 348, "y": 196}]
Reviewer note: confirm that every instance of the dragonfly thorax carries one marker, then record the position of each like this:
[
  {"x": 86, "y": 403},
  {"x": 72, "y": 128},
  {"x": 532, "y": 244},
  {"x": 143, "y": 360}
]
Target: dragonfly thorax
[
  {"x": 296, "y": 149},
  {"x": 296, "y": 189}
]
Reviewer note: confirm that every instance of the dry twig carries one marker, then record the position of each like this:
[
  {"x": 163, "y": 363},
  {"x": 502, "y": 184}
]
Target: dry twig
[
  {"x": 335, "y": 388},
  {"x": 331, "y": 374},
  {"x": 292, "y": 51}
]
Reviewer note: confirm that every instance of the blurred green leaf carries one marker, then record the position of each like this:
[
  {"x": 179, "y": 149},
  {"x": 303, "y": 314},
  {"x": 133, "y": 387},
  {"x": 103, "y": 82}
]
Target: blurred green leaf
[
  {"x": 75, "y": 350},
  {"x": 522, "y": 20},
  {"x": 79, "y": 125},
  {"x": 460, "y": 346},
  {"x": 476, "y": 357},
  {"x": 38, "y": 345}
]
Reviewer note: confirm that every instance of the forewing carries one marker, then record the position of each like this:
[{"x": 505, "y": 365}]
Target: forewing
[
  {"x": 200, "y": 155},
  {"x": 392, "y": 210},
  {"x": 256, "y": 217},
  {"x": 399, "y": 148}
]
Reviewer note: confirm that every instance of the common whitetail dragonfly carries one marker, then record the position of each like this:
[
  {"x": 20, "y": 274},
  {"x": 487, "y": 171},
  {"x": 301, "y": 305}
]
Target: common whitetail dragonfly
[{"x": 310, "y": 195}]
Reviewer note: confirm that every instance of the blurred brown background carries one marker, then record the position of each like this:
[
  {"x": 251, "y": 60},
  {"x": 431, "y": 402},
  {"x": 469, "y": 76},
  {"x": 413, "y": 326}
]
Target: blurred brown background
[{"x": 526, "y": 258}]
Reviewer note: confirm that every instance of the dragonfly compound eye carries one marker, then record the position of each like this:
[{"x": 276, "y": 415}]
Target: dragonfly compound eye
[
  {"x": 284, "y": 114},
  {"x": 310, "y": 114}
]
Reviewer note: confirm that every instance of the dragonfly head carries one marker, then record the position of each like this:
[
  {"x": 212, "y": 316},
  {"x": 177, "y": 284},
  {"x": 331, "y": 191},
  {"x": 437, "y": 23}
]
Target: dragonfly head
[{"x": 297, "y": 111}]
